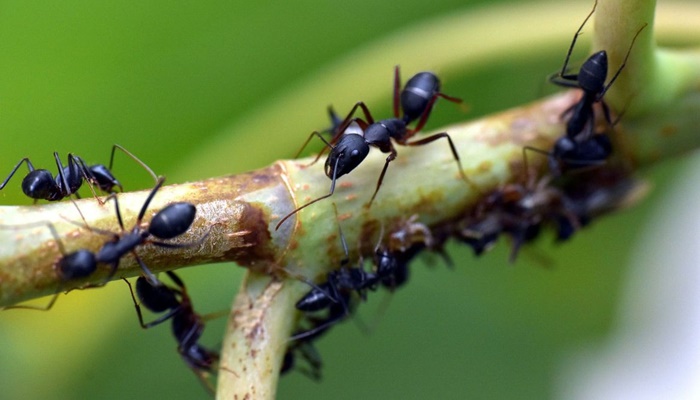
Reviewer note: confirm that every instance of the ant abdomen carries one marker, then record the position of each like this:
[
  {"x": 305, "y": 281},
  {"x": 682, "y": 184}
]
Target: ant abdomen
[
  {"x": 157, "y": 298},
  {"x": 173, "y": 220},
  {"x": 417, "y": 94}
]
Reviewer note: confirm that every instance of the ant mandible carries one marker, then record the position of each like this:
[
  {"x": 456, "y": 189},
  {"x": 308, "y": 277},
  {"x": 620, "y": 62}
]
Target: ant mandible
[
  {"x": 40, "y": 184},
  {"x": 349, "y": 150},
  {"x": 187, "y": 325}
]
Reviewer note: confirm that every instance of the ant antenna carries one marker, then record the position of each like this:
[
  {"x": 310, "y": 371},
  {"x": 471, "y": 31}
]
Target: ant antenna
[{"x": 333, "y": 179}]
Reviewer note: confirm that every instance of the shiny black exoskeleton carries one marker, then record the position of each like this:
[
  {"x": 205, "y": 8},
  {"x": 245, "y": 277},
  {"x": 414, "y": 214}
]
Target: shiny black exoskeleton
[
  {"x": 172, "y": 221},
  {"x": 187, "y": 325},
  {"x": 570, "y": 154},
  {"x": 591, "y": 80},
  {"x": 581, "y": 147},
  {"x": 338, "y": 283},
  {"x": 349, "y": 150},
  {"x": 40, "y": 184}
]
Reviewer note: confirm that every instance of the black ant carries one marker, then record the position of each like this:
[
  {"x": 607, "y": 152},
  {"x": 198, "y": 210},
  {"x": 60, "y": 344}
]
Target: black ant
[
  {"x": 581, "y": 147},
  {"x": 335, "y": 293},
  {"x": 349, "y": 150},
  {"x": 40, "y": 184},
  {"x": 391, "y": 271},
  {"x": 170, "y": 222},
  {"x": 187, "y": 325},
  {"x": 591, "y": 80}
]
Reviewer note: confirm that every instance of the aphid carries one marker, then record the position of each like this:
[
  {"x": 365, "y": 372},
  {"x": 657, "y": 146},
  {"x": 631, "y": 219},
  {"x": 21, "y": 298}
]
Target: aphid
[
  {"x": 349, "y": 150},
  {"x": 40, "y": 184},
  {"x": 187, "y": 325},
  {"x": 519, "y": 210}
]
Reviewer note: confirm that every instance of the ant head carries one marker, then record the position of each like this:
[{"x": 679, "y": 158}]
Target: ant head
[
  {"x": 417, "y": 94},
  {"x": 591, "y": 77},
  {"x": 38, "y": 184},
  {"x": 350, "y": 151},
  {"x": 156, "y": 298},
  {"x": 173, "y": 220},
  {"x": 79, "y": 264},
  {"x": 104, "y": 178}
]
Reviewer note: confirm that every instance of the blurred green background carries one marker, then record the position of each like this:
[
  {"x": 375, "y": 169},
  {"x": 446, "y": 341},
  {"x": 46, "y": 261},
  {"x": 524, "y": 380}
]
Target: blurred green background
[{"x": 171, "y": 81}]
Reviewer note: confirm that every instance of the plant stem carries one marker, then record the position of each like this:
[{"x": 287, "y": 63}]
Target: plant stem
[{"x": 238, "y": 213}]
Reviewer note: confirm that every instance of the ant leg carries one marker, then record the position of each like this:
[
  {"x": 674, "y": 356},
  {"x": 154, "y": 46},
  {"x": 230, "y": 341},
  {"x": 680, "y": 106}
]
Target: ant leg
[
  {"x": 333, "y": 179},
  {"x": 176, "y": 279},
  {"x": 389, "y": 159},
  {"x": 313, "y": 358},
  {"x": 29, "y": 165},
  {"x": 423, "y": 118},
  {"x": 349, "y": 119},
  {"x": 159, "y": 183},
  {"x": 150, "y": 277},
  {"x": 534, "y": 150},
  {"x": 568, "y": 80},
  {"x": 346, "y": 260},
  {"x": 397, "y": 89},
  {"x": 452, "y": 99},
  {"x": 59, "y": 244},
  {"x": 113, "y": 196},
  {"x": 562, "y": 74},
  {"x": 151, "y": 324},
  {"x": 428, "y": 109},
  {"x": 605, "y": 89},
  {"x": 445, "y": 135},
  {"x": 66, "y": 189},
  {"x": 47, "y": 307},
  {"x": 306, "y": 143},
  {"x": 180, "y": 246},
  {"x": 87, "y": 175},
  {"x": 133, "y": 157},
  {"x": 317, "y": 330}
]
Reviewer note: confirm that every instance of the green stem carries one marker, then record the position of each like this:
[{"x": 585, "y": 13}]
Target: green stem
[{"x": 240, "y": 212}]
